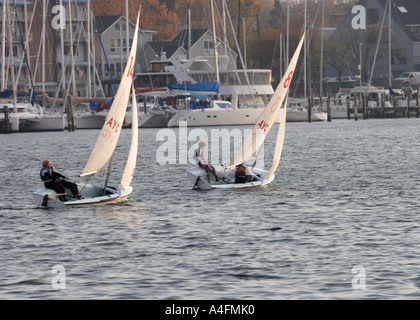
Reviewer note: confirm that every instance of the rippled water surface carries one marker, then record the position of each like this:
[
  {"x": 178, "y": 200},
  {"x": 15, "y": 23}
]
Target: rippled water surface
[{"x": 346, "y": 195}]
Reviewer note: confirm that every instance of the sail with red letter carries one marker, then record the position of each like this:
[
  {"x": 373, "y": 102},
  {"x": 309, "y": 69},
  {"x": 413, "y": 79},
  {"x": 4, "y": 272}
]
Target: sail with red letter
[
  {"x": 106, "y": 142},
  {"x": 275, "y": 108}
]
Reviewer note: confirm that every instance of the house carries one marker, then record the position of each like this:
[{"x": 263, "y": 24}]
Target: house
[
  {"x": 356, "y": 43},
  {"x": 112, "y": 30},
  {"x": 201, "y": 46}
]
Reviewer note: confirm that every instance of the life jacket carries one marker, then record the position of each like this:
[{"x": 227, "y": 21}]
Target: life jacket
[
  {"x": 43, "y": 177},
  {"x": 197, "y": 156},
  {"x": 241, "y": 171}
]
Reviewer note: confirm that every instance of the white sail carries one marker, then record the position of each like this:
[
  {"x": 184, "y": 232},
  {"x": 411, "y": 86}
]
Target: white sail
[
  {"x": 106, "y": 142},
  {"x": 279, "y": 141},
  {"x": 253, "y": 142},
  {"x": 132, "y": 156}
]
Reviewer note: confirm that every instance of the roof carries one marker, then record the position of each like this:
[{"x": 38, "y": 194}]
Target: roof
[
  {"x": 104, "y": 22},
  {"x": 163, "y": 46},
  {"x": 412, "y": 15},
  {"x": 182, "y": 38}
]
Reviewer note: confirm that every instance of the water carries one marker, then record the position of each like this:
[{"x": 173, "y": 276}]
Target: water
[{"x": 346, "y": 196}]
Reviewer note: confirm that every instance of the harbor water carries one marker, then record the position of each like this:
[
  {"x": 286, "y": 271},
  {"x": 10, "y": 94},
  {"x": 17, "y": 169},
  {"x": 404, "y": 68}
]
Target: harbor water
[{"x": 340, "y": 221}]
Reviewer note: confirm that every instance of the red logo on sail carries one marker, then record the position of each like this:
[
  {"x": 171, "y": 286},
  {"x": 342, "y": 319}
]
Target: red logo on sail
[
  {"x": 287, "y": 81},
  {"x": 263, "y": 125},
  {"x": 131, "y": 68},
  {"x": 113, "y": 124}
]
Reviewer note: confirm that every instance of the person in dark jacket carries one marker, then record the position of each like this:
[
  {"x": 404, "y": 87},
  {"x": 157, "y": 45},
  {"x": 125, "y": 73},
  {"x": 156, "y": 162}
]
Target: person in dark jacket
[{"x": 56, "y": 181}]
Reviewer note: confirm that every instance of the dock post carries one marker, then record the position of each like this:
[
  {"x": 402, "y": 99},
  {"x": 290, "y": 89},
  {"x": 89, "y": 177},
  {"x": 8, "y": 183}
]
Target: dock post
[
  {"x": 310, "y": 104},
  {"x": 329, "y": 107},
  {"x": 356, "y": 108},
  {"x": 7, "y": 127},
  {"x": 364, "y": 103},
  {"x": 409, "y": 97},
  {"x": 70, "y": 115}
]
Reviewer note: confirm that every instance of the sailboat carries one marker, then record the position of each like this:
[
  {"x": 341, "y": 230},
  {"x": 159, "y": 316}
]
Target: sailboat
[
  {"x": 275, "y": 109},
  {"x": 101, "y": 156}
]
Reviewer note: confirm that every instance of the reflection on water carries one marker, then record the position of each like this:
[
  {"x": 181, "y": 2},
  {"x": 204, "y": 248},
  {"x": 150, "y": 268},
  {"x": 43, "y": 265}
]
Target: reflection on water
[{"x": 345, "y": 195}]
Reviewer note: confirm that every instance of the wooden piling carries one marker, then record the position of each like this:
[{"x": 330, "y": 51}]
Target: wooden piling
[
  {"x": 7, "y": 126},
  {"x": 329, "y": 108},
  {"x": 310, "y": 105},
  {"x": 70, "y": 116},
  {"x": 409, "y": 97},
  {"x": 356, "y": 107},
  {"x": 364, "y": 106}
]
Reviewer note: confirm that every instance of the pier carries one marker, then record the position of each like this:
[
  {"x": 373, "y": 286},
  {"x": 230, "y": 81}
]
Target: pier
[{"x": 393, "y": 108}]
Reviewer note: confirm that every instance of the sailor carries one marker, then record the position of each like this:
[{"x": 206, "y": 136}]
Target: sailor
[
  {"x": 56, "y": 181},
  {"x": 199, "y": 158},
  {"x": 243, "y": 174}
]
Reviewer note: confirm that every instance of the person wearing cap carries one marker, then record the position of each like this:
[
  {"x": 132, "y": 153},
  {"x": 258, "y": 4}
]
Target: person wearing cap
[
  {"x": 56, "y": 181},
  {"x": 199, "y": 158}
]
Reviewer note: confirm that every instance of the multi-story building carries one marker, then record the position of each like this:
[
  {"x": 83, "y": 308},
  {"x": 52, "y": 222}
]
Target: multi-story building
[
  {"x": 370, "y": 51},
  {"x": 66, "y": 47}
]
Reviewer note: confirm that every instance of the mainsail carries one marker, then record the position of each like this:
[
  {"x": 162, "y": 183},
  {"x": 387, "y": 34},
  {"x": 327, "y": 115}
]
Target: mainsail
[
  {"x": 132, "y": 156},
  {"x": 106, "y": 142},
  {"x": 255, "y": 139}
]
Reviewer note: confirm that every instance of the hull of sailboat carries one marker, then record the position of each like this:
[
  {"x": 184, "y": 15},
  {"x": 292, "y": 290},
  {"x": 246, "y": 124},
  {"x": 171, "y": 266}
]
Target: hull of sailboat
[
  {"x": 302, "y": 116},
  {"x": 89, "y": 120},
  {"x": 218, "y": 117},
  {"x": 198, "y": 177},
  {"x": 153, "y": 121},
  {"x": 92, "y": 195},
  {"x": 43, "y": 123}
]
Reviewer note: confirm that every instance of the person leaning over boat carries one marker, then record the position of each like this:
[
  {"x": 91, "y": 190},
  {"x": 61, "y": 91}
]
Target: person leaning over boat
[
  {"x": 243, "y": 174},
  {"x": 199, "y": 158},
  {"x": 56, "y": 181}
]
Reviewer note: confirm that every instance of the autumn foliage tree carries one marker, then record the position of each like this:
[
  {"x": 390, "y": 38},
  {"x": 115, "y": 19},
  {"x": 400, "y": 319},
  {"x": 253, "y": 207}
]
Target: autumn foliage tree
[{"x": 154, "y": 15}]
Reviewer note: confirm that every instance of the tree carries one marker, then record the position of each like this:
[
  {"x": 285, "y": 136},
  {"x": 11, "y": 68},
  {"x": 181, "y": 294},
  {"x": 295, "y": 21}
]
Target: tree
[{"x": 154, "y": 15}]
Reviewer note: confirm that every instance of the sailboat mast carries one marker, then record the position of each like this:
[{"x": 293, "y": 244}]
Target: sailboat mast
[
  {"x": 322, "y": 53},
  {"x": 304, "y": 51},
  {"x": 72, "y": 53},
  {"x": 127, "y": 33},
  {"x": 108, "y": 173},
  {"x": 214, "y": 42},
  {"x": 189, "y": 34},
  {"x": 63, "y": 65},
  {"x": 44, "y": 18},
  {"x": 89, "y": 84},
  {"x": 389, "y": 45},
  {"x": 11, "y": 59},
  {"x": 3, "y": 47}
]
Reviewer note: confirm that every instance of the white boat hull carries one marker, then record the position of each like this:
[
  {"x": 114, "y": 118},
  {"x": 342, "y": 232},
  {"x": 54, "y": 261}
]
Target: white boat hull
[
  {"x": 88, "y": 120},
  {"x": 302, "y": 116},
  {"x": 153, "y": 121},
  {"x": 43, "y": 123},
  {"x": 198, "y": 177},
  {"x": 92, "y": 194},
  {"x": 225, "y": 117}
]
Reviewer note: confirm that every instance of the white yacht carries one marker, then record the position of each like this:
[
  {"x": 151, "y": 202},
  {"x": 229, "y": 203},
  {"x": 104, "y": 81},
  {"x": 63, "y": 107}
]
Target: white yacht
[
  {"x": 27, "y": 118},
  {"x": 244, "y": 94}
]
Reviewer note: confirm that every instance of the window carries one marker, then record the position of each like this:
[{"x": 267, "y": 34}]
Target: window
[
  {"x": 208, "y": 46},
  {"x": 115, "y": 45},
  {"x": 416, "y": 31}
]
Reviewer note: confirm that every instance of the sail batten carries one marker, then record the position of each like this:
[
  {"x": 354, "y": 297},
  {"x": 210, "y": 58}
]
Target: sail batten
[{"x": 106, "y": 142}]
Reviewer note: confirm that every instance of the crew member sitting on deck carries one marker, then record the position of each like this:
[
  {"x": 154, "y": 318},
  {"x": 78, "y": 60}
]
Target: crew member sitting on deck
[
  {"x": 199, "y": 157},
  {"x": 56, "y": 181},
  {"x": 243, "y": 174}
]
